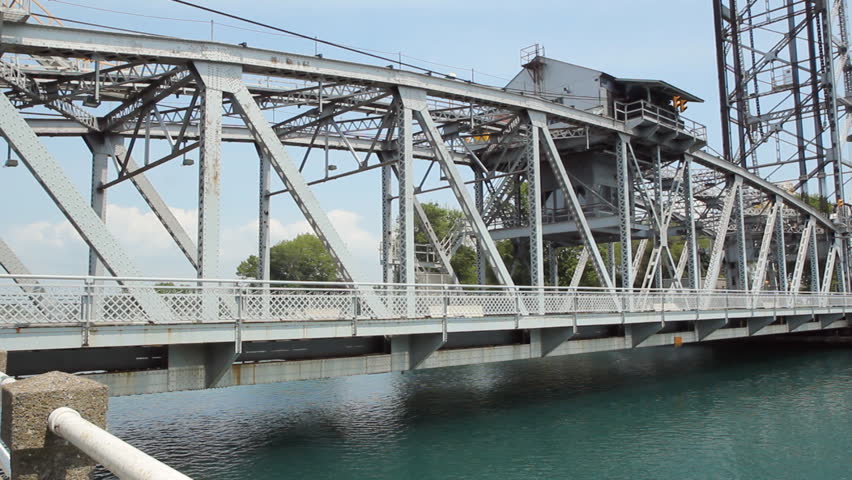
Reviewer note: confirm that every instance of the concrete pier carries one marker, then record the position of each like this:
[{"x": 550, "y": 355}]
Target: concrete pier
[{"x": 36, "y": 453}]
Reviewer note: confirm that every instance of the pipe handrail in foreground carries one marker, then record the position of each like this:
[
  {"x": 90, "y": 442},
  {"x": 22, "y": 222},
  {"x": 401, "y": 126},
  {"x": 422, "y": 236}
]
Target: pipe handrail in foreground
[
  {"x": 119, "y": 457},
  {"x": 5, "y": 456}
]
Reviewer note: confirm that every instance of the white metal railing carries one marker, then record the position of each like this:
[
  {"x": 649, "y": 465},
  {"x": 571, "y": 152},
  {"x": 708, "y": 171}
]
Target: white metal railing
[
  {"x": 117, "y": 456},
  {"x": 662, "y": 116},
  {"x": 92, "y": 300},
  {"x": 5, "y": 455},
  {"x": 122, "y": 459}
]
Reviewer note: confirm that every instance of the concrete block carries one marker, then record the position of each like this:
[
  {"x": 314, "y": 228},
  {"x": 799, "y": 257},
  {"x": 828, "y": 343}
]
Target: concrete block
[{"x": 36, "y": 452}]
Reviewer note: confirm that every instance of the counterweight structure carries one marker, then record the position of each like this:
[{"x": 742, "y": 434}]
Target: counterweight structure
[{"x": 563, "y": 156}]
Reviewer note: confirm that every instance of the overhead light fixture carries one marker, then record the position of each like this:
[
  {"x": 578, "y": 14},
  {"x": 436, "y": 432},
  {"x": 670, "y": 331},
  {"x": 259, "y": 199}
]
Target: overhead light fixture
[
  {"x": 10, "y": 160},
  {"x": 188, "y": 162},
  {"x": 91, "y": 101}
]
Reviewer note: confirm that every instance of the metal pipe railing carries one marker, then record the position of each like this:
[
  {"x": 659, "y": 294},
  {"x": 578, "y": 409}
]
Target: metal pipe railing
[
  {"x": 119, "y": 457},
  {"x": 5, "y": 456}
]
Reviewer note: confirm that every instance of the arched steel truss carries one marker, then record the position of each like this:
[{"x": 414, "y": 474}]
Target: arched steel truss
[{"x": 388, "y": 119}]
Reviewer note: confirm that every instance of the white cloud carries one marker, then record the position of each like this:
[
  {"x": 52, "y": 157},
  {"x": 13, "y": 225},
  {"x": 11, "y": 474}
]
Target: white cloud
[{"x": 55, "y": 247}]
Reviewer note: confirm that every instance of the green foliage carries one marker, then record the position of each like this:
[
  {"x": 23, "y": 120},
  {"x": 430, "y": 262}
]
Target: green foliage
[
  {"x": 171, "y": 288},
  {"x": 303, "y": 258},
  {"x": 819, "y": 203}
]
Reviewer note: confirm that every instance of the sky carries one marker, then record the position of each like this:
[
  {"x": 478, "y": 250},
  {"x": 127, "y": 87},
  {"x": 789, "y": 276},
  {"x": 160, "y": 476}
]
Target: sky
[{"x": 658, "y": 39}]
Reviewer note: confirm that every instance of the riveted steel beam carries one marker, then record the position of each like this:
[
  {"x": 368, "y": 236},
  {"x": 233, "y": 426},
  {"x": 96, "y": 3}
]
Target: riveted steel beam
[
  {"x": 534, "y": 208},
  {"x": 405, "y": 175},
  {"x": 416, "y": 100},
  {"x": 210, "y": 168},
  {"x": 270, "y": 145},
  {"x": 780, "y": 247},
  {"x": 538, "y": 120},
  {"x": 71, "y": 203},
  {"x": 802, "y": 255},
  {"x": 624, "y": 211},
  {"x": 765, "y": 244},
  {"x": 721, "y": 234}
]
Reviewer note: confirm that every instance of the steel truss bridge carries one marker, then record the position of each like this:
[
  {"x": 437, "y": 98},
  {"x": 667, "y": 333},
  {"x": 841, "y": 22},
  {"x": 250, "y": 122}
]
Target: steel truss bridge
[{"x": 743, "y": 243}]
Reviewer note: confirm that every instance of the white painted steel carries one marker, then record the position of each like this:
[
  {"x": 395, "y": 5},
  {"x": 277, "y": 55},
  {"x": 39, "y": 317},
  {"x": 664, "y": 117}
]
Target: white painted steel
[
  {"x": 5, "y": 456},
  {"x": 5, "y": 460},
  {"x": 119, "y": 457},
  {"x": 69, "y": 298}
]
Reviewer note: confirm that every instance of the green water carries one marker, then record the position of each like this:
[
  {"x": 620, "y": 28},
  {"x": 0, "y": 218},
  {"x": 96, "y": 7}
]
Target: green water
[{"x": 699, "y": 412}]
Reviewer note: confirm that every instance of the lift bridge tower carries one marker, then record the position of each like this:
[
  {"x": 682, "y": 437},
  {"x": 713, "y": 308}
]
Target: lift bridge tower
[
  {"x": 784, "y": 91},
  {"x": 784, "y": 86}
]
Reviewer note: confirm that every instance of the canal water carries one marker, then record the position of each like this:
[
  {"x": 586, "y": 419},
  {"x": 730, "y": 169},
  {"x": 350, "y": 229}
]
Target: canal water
[{"x": 698, "y": 412}]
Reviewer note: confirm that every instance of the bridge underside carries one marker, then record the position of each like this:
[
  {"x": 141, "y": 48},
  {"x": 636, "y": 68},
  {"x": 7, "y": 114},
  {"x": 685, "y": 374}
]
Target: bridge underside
[{"x": 156, "y": 358}]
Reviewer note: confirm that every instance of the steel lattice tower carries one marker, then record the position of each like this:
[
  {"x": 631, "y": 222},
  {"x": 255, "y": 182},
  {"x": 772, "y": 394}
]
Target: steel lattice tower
[{"x": 783, "y": 79}]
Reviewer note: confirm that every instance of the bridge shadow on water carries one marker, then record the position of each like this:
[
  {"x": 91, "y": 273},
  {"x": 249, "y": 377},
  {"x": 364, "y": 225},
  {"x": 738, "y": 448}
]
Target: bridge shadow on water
[{"x": 480, "y": 420}]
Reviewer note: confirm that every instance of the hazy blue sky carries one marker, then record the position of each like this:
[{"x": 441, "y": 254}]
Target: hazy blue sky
[{"x": 664, "y": 39}]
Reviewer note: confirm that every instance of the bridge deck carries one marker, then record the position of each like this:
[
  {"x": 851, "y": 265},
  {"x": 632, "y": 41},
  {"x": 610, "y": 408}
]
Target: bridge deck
[{"x": 245, "y": 331}]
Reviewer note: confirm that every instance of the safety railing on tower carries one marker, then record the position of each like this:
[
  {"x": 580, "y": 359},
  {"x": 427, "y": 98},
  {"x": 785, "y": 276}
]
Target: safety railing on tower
[{"x": 644, "y": 111}]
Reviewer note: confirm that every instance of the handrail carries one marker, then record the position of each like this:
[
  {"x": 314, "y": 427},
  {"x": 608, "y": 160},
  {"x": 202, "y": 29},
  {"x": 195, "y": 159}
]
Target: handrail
[
  {"x": 98, "y": 300},
  {"x": 119, "y": 457},
  {"x": 193, "y": 283},
  {"x": 5, "y": 455},
  {"x": 643, "y": 109}
]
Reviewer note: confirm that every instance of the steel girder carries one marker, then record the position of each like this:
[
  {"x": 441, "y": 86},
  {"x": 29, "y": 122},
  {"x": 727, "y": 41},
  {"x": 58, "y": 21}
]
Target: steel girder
[
  {"x": 158, "y": 206},
  {"x": 72, "y": 204},
  {"x": 361, "y": 87},
  {"x": 39, "y": 40},
  {"x": 214, "y": 77},
  {"x": 721, "y": 234},
  {"x": 416, "y": 100},
  {"x": 538, "y": 120},
  {"x": 263, "y": 216},
  {"x": 102, "y": 150},
  {"x": 769, "y": 231},
  {"x": 625, "y": 214},
  {"x": 534, "y": 206},
  {"x": 405, "y": 173},
  {"x": 230, "y": 82}
]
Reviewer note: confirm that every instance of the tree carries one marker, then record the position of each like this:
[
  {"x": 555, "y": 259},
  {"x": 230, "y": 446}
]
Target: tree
[
  {"x": 820, "y": 203},
  {"x": 303, "y": 258}
]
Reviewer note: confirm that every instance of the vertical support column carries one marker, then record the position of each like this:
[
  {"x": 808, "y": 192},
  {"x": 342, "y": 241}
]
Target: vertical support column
[
  {"x": 263, "y": 260},
  {"x": 263, "y": 218},
  {"x": 209, "y": 189},
  {"x": 387, "y": 226},
  {"x": 100, "y": 149},
  {"x": 691, "y": 246},
  {"x": 780, "y": 247},
  {"x": 624, "y": 212},
  {"x": 35, "y": 451},
  {"x": 405, "y": 169},
  {"x": 813, "y": 259},
  {"x": 209, "y": 174},
  {"x": 841, "y": 259},
  {"x": 553, "y": 264},
  {"x": 405, "y": 174},
  {"x": 534, "y": 206},
  {"x": 662, "y": 235},
  {"x": 610, "y": 253},
  {"x": 480, "y": 206},
  {"x": 742, "y": 259}
]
